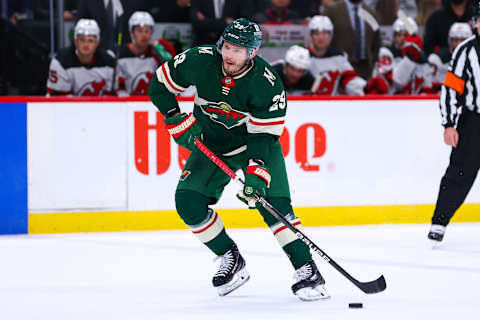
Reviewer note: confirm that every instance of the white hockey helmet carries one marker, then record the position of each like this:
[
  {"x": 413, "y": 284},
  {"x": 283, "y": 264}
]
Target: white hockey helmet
[
  {"x": 460, "y": 30},
  {"x": 298, "y": 57},
  {"x": 385, "y": 60},
  {"x": 87, "y": 27},
  {"x": 321, "y": 23},
  {"x": 140, "y": 18},
  {"x": 398, "y": 25}
]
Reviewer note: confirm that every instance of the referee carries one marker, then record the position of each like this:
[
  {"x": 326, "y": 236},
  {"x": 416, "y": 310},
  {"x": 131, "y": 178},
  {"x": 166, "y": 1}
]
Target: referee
[{"x": 461, "y": 88}]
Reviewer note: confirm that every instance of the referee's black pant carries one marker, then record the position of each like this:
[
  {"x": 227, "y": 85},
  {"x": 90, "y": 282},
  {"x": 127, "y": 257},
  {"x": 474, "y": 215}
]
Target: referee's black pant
[{"x": 462, "y": 170}]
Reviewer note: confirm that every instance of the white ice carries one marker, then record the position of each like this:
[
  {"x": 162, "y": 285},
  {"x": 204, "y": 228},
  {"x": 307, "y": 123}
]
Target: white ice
[{"x": 167, "y": 274}]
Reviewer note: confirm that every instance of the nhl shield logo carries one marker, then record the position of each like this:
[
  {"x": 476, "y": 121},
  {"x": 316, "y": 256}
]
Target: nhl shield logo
[{"x": 228, "y": 81}]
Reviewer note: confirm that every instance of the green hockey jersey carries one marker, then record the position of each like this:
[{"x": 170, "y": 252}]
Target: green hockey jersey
[{"x": 245, "y": 112}]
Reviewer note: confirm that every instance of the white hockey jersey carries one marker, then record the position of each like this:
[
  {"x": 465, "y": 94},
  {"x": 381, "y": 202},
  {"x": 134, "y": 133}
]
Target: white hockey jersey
[
  {"x": 333, "y": 71},
  {"x": 67, "y": 76},
  {"x": 381, "y": 81},
  {"x": 411, "y": 77},
  {"x": 439, "y": 61},
  {"x": 134, "y": 73}
]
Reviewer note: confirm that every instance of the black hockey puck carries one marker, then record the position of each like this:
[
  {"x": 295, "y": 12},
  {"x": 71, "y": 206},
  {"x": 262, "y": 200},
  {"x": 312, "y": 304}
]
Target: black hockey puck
[{"x": 355, "y": 305}]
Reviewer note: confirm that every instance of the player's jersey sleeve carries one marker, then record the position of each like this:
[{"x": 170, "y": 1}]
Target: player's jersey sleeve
[
  {"x": 350, "y": 80},
  {"x": 267, "y": 115},
  {"x": 174, "y": 77},
  {"x": 454, "y": 85},
  {"x": 59, "y": 81}
]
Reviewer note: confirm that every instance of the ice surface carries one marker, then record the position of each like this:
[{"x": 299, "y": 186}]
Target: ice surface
[{"x": 167, "y": 275}]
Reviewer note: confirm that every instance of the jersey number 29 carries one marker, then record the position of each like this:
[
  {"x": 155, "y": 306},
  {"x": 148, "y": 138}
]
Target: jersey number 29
[{"x": 279, "y": 102}]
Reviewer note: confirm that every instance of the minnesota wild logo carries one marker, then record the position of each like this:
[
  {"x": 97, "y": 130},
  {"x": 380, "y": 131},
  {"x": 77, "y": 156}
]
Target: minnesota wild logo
[{"x": 224, "y": 114}]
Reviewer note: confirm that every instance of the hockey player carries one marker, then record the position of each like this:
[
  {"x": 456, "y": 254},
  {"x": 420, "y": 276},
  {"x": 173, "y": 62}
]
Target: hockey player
[
  {"x": 138, "y": 60},
  {"x": 82, "y": 69},
  {"x": 330, "y": 66},
  {"x": 239, "y": 113},
  {"x": 381, "y": 81},
  {"x": 412, "y": 74},
  {"x": 439, "y": 60},
  {"x": 294, "y": 71},
  {"x": 460, "y": 90}
]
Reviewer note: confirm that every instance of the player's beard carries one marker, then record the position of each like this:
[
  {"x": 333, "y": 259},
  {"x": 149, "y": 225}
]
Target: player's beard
[{"x": 234, "y": 69}]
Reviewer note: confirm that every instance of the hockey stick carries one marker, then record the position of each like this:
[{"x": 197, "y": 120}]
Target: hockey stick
[{"x": 374, "y": 286}]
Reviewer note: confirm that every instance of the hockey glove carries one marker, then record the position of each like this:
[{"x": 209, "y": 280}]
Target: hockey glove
[
  {"x": 249, "y": 201},
  {"x": 257, "y": 180},
  {"x": 183, "y": 128},
  {"x": 376, "y": 85},
  {"x": 413, "y": 48}
]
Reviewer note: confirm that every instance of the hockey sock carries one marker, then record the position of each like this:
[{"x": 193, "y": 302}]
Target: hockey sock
[
  {"x": 204, "y": 223},
  {"x": 296, "y": 250}
]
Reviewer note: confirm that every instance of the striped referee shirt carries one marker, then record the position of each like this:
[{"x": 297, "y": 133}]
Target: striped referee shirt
[{"x": 461, "y": 86}]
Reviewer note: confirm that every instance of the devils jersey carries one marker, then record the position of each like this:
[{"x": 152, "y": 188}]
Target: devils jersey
[
  {"x": 68, "y": 76},
  {"x": 333, "y": 71},
  {"x": 381, "y": 81},
  {"x": 411, "y": 77},
  {"x": 439, "y": 61},
  {"x": 135, "y": 72},
  {"x": 233, "y": 111},
  {"x": 388, "y": 57},
  {"x": 304, "y": 85}
]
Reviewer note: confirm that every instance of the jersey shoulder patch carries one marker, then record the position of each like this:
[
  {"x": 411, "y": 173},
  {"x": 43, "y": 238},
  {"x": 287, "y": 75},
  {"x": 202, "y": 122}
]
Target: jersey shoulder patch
[
  {"x": 268, "y": 76},
  {"x": 203, "y": 52},
  {"x": 196, "y": 57}
]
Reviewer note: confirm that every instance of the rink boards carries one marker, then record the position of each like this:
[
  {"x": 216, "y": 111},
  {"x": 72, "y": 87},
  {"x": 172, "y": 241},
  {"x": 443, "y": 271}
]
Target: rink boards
[{"x": 109, "y": 165}]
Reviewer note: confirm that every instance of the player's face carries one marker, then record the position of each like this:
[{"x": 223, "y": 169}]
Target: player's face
[
  {"x": 86, "y": 44},
  {"x": 399, "y": 38},
  {"x": 293, "y": 74},
  {"x": 321, "y": 39},
  {"x": 142, "y": 35},
  {"x": 477, "y": 21},
  {"x": 234, "y": 58}
]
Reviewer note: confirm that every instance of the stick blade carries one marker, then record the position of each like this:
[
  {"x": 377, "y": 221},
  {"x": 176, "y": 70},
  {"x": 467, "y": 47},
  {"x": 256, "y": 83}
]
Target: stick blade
[{"x": 374, "y": 286}]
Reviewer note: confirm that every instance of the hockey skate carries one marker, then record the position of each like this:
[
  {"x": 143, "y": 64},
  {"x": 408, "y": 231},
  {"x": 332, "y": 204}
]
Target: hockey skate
[
  {"x": 436, "y": 233},
  {"x": 231, "y": 273},
  {"x": 310, "y": 283}
]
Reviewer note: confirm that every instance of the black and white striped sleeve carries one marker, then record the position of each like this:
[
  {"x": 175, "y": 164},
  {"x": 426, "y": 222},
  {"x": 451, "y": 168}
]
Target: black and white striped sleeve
[{"x": 454, "y": 85}]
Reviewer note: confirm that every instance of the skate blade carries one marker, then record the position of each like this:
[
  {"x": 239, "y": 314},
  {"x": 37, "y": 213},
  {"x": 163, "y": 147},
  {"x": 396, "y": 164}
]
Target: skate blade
[
  {"x": 435, "y": 244},
  {"x": 313, "y": 294},
  {"x": 237, "y": 281}
]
